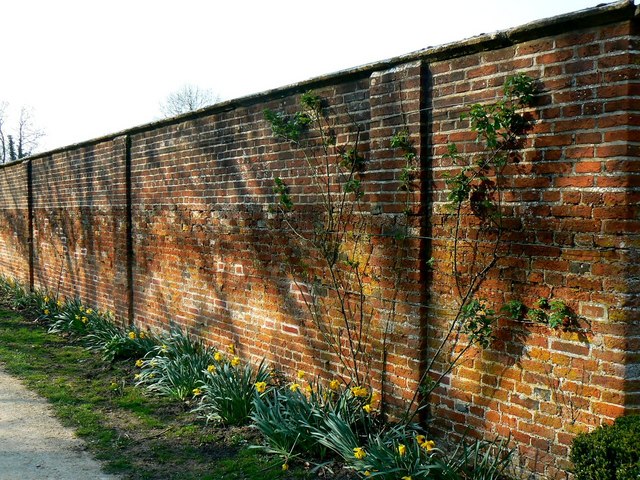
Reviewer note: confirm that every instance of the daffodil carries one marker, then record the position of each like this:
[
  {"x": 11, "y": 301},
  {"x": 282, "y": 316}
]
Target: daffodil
[
  {"x": 301, "y": 374},
  {"x": 139, "y": 363},
  {"x": 211, "y": 368},
  {"x": 359, "y": 391},
  {"x": 46, "y": 299},
  {"x": 196, "y": 392},
  {"x": 132, "y": 335},
  {"x": 231, "y": 348},
  {"x": 164, "y": 349},
  {"x": 407, "y": 477},
  {"x": 89, "y": 311},
  {"x": 402, "y": 449},
  {"x": 218, "y": 357},
  {"x": 359, "y": 453},
  {"x": 84, "y": 319},
  {"x": 143, "y": 335},
  {"x": 334, "y": 385},
  {"x": 420, "y": 439},
  {"x": 261, "y": 387},
  {"x": 367, "y": 473},
  {"x": 46, "y": 311},
  {"x": 235, "y": 361},
  {"x": 294, "y": 387},
  {"x": 428, "y": 445},
  {"x": 285, "y": 467},
  {"x": 367, "y": 408}
]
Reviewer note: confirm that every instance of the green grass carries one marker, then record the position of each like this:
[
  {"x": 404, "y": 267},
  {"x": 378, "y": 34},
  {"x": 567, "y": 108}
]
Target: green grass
[{"x": 136, "y": 436}]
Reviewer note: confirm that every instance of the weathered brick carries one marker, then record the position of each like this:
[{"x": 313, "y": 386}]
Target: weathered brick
[{"x": 210, "y": 255}]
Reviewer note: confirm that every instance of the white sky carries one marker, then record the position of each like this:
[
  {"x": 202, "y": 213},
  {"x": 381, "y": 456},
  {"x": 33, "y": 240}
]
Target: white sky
[{"x": 92, "y": 67}]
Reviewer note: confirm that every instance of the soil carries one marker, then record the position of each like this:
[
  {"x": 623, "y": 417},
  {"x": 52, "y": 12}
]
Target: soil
[{"x": 34, "y": 445}]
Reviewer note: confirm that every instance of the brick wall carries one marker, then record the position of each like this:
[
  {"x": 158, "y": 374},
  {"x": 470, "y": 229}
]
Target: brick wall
[
  {"x": 571, "y": 215},
  {"x": 79, "y": 223},
  {"x": 173, "y": 223},
  {"x": 14, "y": 223}
]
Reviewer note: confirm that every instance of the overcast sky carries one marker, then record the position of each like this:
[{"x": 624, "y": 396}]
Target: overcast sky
[{"x": 93, "y": 67}]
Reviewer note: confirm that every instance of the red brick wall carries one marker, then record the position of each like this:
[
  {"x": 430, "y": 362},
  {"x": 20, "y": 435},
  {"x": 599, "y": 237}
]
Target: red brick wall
[
  {"x": 14, "y": 223},
  {"x": 79, "y": 222},
  {"x": 204, "y": 250},
  {"x": 572, "y": 219}
]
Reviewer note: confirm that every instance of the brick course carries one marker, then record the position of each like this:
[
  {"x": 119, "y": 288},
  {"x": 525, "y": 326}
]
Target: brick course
[{"x": 171, "y": 223}]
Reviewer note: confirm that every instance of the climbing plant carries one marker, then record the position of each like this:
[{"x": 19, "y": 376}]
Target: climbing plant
[
  {"x": 335, "y": 274},
  {"x": 475, "y": 189},
  {"x": 340, "y": 230}
]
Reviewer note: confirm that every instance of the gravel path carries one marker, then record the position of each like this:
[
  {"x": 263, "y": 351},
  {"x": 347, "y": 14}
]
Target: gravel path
[{"x": 34, "y": 445}]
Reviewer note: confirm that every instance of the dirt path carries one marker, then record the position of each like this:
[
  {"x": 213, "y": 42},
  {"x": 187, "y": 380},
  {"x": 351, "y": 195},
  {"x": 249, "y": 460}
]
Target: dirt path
[{"x": 33, "y": 444}]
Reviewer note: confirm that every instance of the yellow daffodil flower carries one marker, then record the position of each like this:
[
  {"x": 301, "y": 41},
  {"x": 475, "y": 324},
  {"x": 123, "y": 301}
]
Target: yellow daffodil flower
[
  {"x": 334, "y": 385},
  {"x": 196, "y": 392},
  {"x": 367, "y": 408},
  {"x": 294, "y": 387},
  {"x": 139, "y": 363},
  {"x": 132, "y": 335},
  {"x": 359, "y": 391},
  {"x": 285, "y": 467},
  {"x": 402, "y": 449},
  {"x": 359, "y": 453},
  {"x": 231, "y": 349},
  {"x": 301, "y": 374},
  {"x": 235, "y": 361},
  {"x": 211, "y": 368},
  {"x": 428, "y": 445},
  {"x": 261, "y": 387},
  {"x": 217, "y": 357}
]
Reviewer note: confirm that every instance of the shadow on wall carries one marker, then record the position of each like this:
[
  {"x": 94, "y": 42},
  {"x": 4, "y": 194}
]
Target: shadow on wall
[
  {"x": 15, "y": 221},
  {"x": 79, "y": 220}
]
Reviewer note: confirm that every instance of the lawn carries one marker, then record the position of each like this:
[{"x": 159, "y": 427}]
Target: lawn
[{"x": 136, "y": 435}]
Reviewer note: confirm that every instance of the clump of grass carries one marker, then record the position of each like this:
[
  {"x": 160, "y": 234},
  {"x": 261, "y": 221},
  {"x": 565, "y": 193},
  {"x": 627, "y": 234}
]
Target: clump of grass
[
  {"x": 228, "y": 390},
  {"x": 176, "y": 367}
]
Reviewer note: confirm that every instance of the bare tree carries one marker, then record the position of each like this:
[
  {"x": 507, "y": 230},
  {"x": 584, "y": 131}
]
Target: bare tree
[
  {"x": 3, "y": 139},
  {"x": 22, "y": 140},
  {"x": 187, "y": 99}
]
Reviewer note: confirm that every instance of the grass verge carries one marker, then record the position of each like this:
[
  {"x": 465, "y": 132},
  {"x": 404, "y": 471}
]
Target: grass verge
[{"x": 136, "y": 436}]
